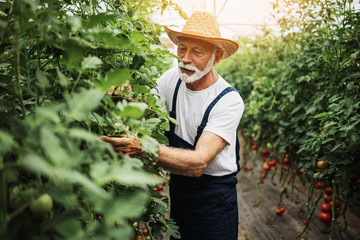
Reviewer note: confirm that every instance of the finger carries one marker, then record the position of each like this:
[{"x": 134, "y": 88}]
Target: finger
[
  {"x": 111, "y": 90},
  {"x": 109, "y": 139}
]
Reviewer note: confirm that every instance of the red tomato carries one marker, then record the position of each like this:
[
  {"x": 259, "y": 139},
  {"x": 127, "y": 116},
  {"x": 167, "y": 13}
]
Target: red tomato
[
  {"x": 286, "y": 168},
  {"x": 262, "y": 175},
  {"x": 305, "y": 222},
  {"x": 254, "y": 147},
  {"x": 337, "y": 213},
  {"x": 159, "y": 188},
  {"x": 265, "y": 151},
  {"x": 325, "y": 217},
  {"x": 282, "y": 203},
  {"x": 325, "y": 208},
  {"x": 272, "y": 163},
  {"x": 298, "y": 171},
  {"x": 264, "y": 159},
  {"x": 249, "y": 168},
  {"x": 297, "y": 201},
  {"x": 328, "y": 191},
  {"x": 319, "y": 185},
  {"x": 266, "y": 167},
  {"x": 337, "y": 203},
  {"x": 282, "y": 209},
  {"x": 262, "y": 181},
  {"x": 286, "y": 160},
  {"x": 279, "y": 212}
]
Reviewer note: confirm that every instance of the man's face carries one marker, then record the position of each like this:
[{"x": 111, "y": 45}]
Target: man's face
[{"x": 197, "y": 59}]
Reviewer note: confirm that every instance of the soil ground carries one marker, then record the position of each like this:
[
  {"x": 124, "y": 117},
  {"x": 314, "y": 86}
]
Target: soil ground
[{"x": 259, "y": 222}]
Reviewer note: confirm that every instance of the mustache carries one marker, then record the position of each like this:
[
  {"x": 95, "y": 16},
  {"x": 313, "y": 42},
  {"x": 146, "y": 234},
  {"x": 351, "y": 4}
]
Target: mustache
[{"x": 188, "y": 67}]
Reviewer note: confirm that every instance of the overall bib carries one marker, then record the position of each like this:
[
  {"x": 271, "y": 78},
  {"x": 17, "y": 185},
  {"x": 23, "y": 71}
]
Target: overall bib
[{"x": 204, "y": 208}]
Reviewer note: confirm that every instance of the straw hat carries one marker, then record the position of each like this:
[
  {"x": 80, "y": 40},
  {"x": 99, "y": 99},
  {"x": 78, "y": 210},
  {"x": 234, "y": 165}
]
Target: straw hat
[{"x": 203, "y": 26}]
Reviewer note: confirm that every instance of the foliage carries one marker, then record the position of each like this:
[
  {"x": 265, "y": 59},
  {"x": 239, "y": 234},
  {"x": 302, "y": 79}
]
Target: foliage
[
  {"x": 58, "y": 60},
  {"x": 301, "y": 90}
]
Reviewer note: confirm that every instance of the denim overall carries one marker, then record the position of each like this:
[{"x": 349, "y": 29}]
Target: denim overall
[{"x": 204, "y": 208}]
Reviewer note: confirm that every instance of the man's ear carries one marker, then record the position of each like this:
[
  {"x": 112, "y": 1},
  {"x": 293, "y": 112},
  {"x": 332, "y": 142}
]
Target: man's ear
[{"x": 218, "y": 56}]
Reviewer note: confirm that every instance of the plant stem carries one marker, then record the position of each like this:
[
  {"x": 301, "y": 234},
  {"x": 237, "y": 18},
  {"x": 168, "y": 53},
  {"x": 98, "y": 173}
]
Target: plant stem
[
  {"x": 18, "y": 81},
  {"x": 309, "y": 216},
  {"x": 136, "y": 8},
  {"x": 3, "y": 197},
  {"x": 333, "y": 210},
  {"x": 77, "y": 82}
]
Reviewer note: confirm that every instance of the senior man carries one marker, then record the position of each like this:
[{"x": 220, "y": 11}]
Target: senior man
[{"x": 204, "y": 151}]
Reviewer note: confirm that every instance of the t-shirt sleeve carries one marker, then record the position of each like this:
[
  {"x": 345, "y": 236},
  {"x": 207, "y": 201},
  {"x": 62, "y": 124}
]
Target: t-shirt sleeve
[{"x": 224, "y": 118}]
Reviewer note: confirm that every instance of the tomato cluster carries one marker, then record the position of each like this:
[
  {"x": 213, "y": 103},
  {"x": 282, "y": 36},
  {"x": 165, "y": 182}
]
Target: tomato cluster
[
  {"x": 326, "y": 208},
  {"x": 280, "y": 211}
]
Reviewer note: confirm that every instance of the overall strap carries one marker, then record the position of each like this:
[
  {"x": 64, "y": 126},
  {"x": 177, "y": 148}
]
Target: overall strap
[
  {"x": 173, "y": 107},
  {"x": 209, "y": 108}
]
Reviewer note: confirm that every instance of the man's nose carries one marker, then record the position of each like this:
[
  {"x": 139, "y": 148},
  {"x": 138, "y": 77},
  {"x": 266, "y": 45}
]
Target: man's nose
[{"x": 186, "y": 58}]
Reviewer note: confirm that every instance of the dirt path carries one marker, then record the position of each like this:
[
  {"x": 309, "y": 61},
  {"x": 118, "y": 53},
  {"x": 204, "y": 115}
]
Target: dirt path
[{"x": 255, "y": 221}]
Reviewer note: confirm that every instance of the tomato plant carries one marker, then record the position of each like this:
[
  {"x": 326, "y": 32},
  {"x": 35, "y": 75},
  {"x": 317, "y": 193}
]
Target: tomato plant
[
  {"x": 301, "y": 93},
  {"x": 59, "y": 65}
]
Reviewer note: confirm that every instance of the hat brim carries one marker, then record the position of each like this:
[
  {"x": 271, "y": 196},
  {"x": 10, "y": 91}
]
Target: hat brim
[{"x": 228, "y": 46}]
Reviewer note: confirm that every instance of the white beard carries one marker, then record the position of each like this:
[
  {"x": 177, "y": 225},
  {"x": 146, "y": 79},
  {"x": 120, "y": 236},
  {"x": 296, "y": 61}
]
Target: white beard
[{"x": 197, "y": 73}]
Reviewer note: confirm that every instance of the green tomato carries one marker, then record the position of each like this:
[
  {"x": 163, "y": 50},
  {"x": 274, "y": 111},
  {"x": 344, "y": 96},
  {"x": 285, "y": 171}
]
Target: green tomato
[{"x": 42, "y": 204}]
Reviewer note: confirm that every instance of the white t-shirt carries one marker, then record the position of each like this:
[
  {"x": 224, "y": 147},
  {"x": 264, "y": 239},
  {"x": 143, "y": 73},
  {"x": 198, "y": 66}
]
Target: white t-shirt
[{"x": 191, "y": 105}]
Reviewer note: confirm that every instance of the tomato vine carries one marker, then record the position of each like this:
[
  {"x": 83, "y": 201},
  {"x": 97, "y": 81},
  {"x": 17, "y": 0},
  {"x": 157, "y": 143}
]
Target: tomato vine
[
  {"x": 58, "y": 62},
  {"x": 301, "y": 93}
]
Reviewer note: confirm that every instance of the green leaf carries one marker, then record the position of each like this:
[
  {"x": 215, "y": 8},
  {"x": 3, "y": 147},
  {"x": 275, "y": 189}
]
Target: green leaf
[
  {"x": 117, "y": 77},
  {"x": 43, "y": 82},
  {"x": 137, "y": 62},
  {"x": 125, "y": 174},
  {"x": 329, "y": 124},
  {"x": 75, "y": 23},
  {"x": 91, "y": 62},
  {"x": 172, "y": 228},
  {"x": 114, "y": 41},
  {"x": 94, "y": 20},
  {"x": 139, "y": 89},
  {"x": 51, "y": 146},
  {"x": 63, "y": 80},
  {"x": 132, "y": 109},
  {"x": 73, "y": 52},
  {"x": 160, "y": 202},
  {"x": 79, "y": 105},
  {"x": 151, "y": 124},
  {"x": 323, "y": 116},
  {"x": 150, "y": 146},
  {"x": 82, "y": 134},
  {"x": 7, "y": 142},
  {"x": 46, "y": 114},
  {"x": 129, "y": 206},
  {"x": 70, "y": 228},
  {"x": 59, "y": 175}
]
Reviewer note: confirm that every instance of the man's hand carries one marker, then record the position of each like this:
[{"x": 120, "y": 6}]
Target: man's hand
[{"x": 129, "y": 146}]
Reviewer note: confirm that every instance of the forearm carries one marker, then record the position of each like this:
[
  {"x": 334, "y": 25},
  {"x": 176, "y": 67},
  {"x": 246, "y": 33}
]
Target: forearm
[
  {"x": 183, "y": 161},
  {"x": 176, "y": 160}
]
